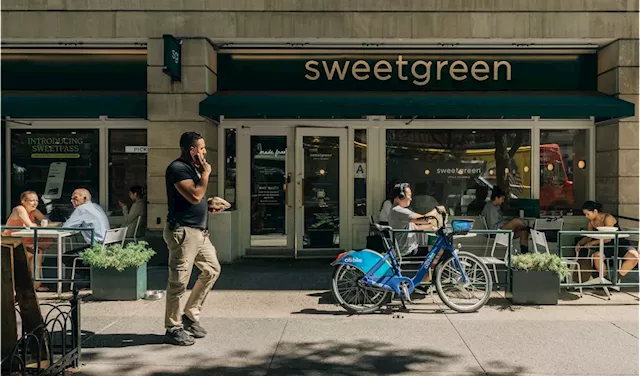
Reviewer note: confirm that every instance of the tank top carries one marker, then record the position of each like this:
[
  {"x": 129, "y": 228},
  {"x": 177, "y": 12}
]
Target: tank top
[{"x": 17, "y": 222}]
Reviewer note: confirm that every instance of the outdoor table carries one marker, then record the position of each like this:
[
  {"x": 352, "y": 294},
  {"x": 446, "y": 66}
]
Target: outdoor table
[
  {"x": 56, "y": 234},
  {"x": 17, "y": 277},
  {"x": 601, "y": 279}
]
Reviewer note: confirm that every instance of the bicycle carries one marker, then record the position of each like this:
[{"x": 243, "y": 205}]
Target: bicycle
[{"x": 364, "y": 281}]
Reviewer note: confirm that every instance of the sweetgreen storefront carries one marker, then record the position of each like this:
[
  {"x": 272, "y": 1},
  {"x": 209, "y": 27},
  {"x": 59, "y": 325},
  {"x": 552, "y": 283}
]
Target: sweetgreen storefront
[{"x": 310, "y": 140}]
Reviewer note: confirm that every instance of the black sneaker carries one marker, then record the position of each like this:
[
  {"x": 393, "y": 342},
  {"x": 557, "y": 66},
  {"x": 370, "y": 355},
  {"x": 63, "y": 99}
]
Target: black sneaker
[
  {"x": 179, "y": 337},
  {"x": 193, "y": 327}
]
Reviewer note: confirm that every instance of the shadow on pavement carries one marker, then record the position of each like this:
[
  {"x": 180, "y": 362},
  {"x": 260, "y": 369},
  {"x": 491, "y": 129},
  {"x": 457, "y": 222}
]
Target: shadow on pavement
[
  {"x": 268, "y": 274},
  {"x": 122, "y": 340},
  {"x": 363, "y": 357}
]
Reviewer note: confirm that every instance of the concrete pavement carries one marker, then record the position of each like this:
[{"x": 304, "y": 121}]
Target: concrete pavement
[{"x": 278, "y": 318}]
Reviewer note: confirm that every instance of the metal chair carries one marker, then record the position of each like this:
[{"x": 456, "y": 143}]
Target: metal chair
[
  {"x": 113, "y": 236},
  {"x": 548, "y": 226},
  {"x": 539, "y": 239},
  {"x": 499, "y": 239},
  {"x": 135, "y": 230}
]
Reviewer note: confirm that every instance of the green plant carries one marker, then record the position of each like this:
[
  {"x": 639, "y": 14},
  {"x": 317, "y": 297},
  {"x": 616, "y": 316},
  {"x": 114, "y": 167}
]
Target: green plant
[
  {"x": 116, "y": 256},
  {"x": 543, "y": 262}
]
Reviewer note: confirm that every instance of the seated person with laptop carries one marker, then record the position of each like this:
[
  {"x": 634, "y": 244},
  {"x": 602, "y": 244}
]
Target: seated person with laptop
[
  {"x": 402, "y": 218},
  {"x": 496, "y": 221}
]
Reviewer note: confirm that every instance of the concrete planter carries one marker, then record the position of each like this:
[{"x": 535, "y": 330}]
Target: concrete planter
[
  {"x": 534, "y": 287},
  {"x": 110, "y": 284}
]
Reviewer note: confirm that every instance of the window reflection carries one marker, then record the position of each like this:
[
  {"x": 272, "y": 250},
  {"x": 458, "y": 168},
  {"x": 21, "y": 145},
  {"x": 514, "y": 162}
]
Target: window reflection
[{"x": 457, "y": 168}]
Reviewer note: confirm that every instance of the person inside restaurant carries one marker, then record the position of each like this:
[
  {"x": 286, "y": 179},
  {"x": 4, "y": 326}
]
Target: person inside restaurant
[
  {"x": 138, "y": 209},
  {"x": 598, "y": 218},
  {"x": 495, "y": 220},
  {"x": 26, "y": 214}
]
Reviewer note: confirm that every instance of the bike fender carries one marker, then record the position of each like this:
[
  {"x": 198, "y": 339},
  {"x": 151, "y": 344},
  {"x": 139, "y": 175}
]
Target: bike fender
[{"x": 365, "y": 260}]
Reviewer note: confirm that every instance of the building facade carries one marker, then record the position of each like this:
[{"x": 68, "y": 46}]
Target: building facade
[{"x": 312, "y": 109}]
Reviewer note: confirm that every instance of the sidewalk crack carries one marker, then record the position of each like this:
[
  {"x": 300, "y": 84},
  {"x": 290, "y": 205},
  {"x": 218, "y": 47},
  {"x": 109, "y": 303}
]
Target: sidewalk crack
[{"x": 275, "y": 351}]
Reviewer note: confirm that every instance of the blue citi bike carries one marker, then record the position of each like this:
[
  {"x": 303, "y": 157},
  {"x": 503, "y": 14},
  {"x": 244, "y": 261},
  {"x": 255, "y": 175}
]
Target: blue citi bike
[{"x": 364, "y": 281}]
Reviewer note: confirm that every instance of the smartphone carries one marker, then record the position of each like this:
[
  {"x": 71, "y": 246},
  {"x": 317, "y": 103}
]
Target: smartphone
[{"x": 194, "y": 157}]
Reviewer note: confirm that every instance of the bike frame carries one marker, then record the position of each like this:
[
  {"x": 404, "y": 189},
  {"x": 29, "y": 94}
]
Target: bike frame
[{"x": 393, "y": 283}]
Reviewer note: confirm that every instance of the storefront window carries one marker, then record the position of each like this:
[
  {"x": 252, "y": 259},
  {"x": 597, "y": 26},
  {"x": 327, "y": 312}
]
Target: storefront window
[
  {"x": 127, "y": 165},
  {"x": 230, "y": 166},
  {"x": 458, "y": 168},
  {"x": 564, "y": 170},
  {"x": 54, "y": 163},
  {"x": 360, "y": 177}
]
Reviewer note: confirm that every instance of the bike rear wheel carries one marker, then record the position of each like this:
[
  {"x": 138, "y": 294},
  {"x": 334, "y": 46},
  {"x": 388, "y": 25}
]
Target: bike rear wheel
[
  {"x": 351, "y": 295},
  {"x": 457, "y": 295}
]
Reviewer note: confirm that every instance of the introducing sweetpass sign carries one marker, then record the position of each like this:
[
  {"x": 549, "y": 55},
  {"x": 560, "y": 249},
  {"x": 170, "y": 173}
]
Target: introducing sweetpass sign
[
  {"x": 292, "y": 70},
  {"x": 419, "y": 72}
]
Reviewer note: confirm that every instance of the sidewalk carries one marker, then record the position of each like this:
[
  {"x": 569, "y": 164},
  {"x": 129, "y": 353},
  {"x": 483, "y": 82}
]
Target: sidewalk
[{"x": 278, "y": 318}]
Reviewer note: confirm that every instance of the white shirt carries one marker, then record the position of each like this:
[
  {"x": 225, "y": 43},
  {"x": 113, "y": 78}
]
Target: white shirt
[
  {"x": 89, "y": 214},
  {"x": 385, "y": 210}
]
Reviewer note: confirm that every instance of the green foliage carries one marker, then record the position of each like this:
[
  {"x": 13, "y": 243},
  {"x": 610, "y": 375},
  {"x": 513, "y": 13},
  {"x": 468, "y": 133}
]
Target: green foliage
[
  {"x": 115, "y": 256},
  {"x": 543, "y": 262}
]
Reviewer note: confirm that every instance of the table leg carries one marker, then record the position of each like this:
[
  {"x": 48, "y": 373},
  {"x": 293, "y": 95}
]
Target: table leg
[
  {"x": 602, "y": 263},
  {"x": 59, "y": 265}
]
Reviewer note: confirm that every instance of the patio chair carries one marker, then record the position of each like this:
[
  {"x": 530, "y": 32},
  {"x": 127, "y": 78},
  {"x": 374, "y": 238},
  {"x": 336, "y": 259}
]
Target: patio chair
[
  {"x": 113, "y": 236},
  {"x": 492, "y": 261},
  {"x": 135, "y": 230},
  {"x": 539, "y": 239},
  {"x": 550, "y": 226}
]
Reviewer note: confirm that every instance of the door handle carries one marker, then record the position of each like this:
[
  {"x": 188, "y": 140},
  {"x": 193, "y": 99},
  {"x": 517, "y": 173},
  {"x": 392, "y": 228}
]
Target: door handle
[{"x": 286, "y": 190}]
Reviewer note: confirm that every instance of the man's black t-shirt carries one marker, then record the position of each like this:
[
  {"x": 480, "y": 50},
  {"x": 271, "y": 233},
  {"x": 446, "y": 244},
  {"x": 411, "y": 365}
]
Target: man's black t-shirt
[{"x": 180, "y": 210}]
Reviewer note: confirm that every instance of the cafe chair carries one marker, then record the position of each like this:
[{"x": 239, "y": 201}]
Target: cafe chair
[
  {"x": 501, "y": 239},
  {"x": 540, "y": 240},
  {"x": 113, "y": 236},
  {"x": 550, "y": 227}
]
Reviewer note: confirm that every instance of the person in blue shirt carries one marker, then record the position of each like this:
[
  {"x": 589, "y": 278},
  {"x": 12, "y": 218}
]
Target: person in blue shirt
[{"x": 87, "y": 214}]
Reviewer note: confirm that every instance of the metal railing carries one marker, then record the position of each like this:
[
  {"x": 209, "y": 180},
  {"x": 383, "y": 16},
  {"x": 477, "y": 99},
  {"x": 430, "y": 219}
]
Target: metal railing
[
  {"x": 52, "y": 346},
  {"x": 60, "y": 254},
  {"x": 614, "y": 242}
]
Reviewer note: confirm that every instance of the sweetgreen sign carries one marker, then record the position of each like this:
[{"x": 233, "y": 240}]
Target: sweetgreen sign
[{"x": 405, "y": 72}]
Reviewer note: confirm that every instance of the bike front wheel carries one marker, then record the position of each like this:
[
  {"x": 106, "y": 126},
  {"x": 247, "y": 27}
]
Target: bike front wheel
[
  {"x": 457, "y": 295},
  {"x": 351, "y": 295}
]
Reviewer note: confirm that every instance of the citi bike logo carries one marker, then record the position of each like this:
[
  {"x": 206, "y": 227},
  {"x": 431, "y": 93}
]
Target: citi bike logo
[
  {"x": 428, "y": 260},
  {"x": 353, "y": 259}
]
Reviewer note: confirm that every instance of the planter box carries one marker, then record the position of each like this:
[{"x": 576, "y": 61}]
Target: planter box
[
  {"x": 110, "y": 284},
  {"x": 535, "y": 288}
]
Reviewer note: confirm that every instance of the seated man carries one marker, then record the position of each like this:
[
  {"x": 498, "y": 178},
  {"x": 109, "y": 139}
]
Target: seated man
[
  {"x": 87, "y": 214},
  {"x": 495, "y": 219},
  {"x": 402, "y": 218}
]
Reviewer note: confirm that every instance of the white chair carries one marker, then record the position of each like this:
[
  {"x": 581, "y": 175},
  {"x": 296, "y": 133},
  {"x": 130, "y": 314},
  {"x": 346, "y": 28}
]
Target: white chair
[
  {"x": 551, "y": 225},
  {"x": 135, "y": 230},
  {"x": 499, "y": 239},
  {"x": 539, "y": 239},
  {"x": 113, "y": 236}
]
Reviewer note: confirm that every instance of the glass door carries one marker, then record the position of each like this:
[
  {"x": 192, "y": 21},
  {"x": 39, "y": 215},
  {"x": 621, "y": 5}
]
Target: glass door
[
  {"x": 271, "y": 209},
  {"x": 321, "y": 181}
]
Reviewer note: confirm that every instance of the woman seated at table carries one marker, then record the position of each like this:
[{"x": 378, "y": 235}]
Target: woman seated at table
[
  {"x": 138, "y": 209},
  {"x": 597, "y": 218},
  {"x": 26, "y": 214}
]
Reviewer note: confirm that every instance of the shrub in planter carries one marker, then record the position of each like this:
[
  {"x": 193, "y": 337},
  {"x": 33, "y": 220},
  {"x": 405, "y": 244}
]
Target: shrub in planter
[
  {"x": 117, "y": 272},
  {"x": 535, "y": 278}
]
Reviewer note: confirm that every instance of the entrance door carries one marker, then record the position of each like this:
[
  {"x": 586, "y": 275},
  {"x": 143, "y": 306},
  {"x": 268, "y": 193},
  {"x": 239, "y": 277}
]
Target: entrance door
[
  {"x": 271, "y": 200},
  {"x": 321, "y": 182}
]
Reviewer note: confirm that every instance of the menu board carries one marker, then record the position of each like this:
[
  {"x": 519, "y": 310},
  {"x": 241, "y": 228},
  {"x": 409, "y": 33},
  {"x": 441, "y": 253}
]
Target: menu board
[{"x": 268, "y": 178}]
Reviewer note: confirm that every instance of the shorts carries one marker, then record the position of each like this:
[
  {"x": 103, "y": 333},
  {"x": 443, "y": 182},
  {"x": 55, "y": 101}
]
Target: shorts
[{"x": 624, "y": 246}]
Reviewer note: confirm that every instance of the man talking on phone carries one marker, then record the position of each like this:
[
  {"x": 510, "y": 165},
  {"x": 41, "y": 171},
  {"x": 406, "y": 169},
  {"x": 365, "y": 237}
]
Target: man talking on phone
[{"x": 188, "y": 241}]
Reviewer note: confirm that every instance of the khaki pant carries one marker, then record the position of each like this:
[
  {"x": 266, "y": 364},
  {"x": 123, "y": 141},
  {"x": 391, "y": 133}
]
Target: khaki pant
[{"x": 188, "y": 246}]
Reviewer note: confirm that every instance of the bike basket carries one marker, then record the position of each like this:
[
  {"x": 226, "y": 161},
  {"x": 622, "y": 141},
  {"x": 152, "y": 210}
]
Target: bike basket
[{"x": 462, "y": 225}]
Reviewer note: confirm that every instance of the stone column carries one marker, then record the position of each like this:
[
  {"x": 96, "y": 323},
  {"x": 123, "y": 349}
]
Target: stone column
[
  {"x": 617, "y": 167},
  {"x": 173, "y": 110}
]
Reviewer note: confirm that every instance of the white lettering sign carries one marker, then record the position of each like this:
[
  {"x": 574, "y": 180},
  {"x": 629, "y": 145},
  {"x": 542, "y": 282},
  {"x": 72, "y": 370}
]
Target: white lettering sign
[
  {"x": 360, "y": 170},
  {"x": 136, "y": 149}
]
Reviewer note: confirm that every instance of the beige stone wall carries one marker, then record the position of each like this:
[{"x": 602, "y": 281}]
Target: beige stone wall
[
  {"x": 172, "y": 110},
  {"x": 320, "y": 19},
  {"x": 617, "y": 158}
]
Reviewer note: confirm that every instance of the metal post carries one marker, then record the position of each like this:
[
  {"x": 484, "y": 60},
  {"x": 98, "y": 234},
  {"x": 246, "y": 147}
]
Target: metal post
[
  {"x": 509, "y": 263},
  {"x": 614, "y": 279},
  {"x": 75, "y": 327}
]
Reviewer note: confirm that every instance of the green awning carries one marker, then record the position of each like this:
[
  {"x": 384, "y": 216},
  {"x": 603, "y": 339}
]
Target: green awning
[
  {"x": 487, "y": 105},
  {"x": 76, "y": 105}
]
